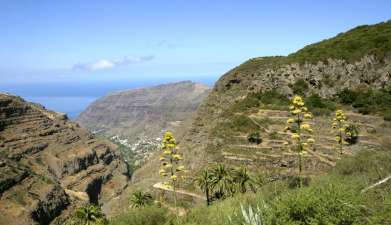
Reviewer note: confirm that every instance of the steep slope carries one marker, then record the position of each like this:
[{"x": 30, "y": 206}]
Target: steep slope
[
  {"x": 144, "y": 111},
  {"x": 136, "y": 118},
  {"x": 357, "y": 59},
  {"x": 48, "y": 165}
]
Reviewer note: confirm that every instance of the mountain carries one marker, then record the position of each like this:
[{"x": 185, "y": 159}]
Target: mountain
[
  {"x": 136, "y": 118},
  {"x": 49, "y": 165},
  {"x": 238, "y": 137},
  {"x": 254, "y": 97},
  {"x": 144, "y": 111}
]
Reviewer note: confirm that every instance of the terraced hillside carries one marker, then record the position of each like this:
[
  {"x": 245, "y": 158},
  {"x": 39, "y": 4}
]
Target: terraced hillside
[
  {"x": 273, "y": 156},
  {"x": 358, "y": 60},
  {"x": 49, "y": 165}
]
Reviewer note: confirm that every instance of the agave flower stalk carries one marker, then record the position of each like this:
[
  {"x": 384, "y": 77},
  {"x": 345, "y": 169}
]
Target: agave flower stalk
[
  {"x": 300, "y": 129},
  {"x": 170, "y": 163},
  {"x": 340, "y": 124}
]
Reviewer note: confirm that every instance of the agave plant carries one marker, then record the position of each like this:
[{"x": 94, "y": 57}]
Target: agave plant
[
  {"x": 254, "y": 217},
  {"x": 300, "y": 130},
  {"x": 170, "y": 164},
  {"x": 140, "y": 199},
  {"x": 251, "y": 217}
]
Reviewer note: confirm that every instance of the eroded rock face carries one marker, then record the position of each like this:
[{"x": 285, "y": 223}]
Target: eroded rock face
[
  {"x": 48, "y": 165},
  {"x": 145, "y": 111},
  {"x": 324, "y": 78}
]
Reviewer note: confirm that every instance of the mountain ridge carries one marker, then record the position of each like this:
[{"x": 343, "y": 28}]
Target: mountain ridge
[{"x": 181, "y": 98}]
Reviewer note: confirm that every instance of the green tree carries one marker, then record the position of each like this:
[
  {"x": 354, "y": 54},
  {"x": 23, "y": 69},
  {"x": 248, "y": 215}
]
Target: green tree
[
  {"x": 204, "y": 182},
  {"x": 222, "y": 181},
  {"x": 140, "y": 199},
  {"x": 88, "y": 215},
  {"x": 243, "y": 180}
]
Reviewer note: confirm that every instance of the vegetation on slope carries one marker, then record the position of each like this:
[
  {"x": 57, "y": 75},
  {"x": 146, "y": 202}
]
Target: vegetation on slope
[
  {"x": 350, "y": 46},
  {"x": 337, "y": 198},
  {"x": 342, "y": 197}
]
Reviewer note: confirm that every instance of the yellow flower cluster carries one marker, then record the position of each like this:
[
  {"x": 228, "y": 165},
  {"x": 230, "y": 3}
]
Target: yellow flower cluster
[
  {"x": 298, "y": 126},
  {"x": 340, "y": 124},
  {"x": 170, "y": 159}
]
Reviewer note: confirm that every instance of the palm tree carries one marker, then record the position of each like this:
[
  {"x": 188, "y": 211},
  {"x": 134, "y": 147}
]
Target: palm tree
[
  {"x": 204, "y": 181},
  {"x": 242, "y": 178},
  {"x": 88, "y": 215},
  {"x": 140, "y": 199},
  {"x": 221, "y": 180}
]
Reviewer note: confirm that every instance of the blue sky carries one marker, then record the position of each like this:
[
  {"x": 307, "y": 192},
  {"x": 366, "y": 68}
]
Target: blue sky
[{"x": 85, "y": 40}]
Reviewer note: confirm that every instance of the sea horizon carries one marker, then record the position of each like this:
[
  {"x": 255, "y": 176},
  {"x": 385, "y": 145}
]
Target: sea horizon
[{"x": 73, "y": 98}]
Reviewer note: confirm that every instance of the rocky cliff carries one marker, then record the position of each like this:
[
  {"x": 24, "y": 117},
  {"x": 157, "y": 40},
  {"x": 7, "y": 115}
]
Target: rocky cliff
[
  {"x": 145, "y": 111},
  {"x": 49, "y": 165},
  {"x": 136, "y": 119}
]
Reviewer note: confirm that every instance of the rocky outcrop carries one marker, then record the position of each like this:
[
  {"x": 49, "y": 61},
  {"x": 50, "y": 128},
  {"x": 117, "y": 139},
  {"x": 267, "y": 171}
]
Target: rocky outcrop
[
  {"x": 323, "y": 78},
  {"x": 145, "y": 111},
  {"x": 48, "y": 165}
]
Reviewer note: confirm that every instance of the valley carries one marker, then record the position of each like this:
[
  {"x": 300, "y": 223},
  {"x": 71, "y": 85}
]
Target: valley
[
  {"x": 136, "y": 119},
  {"x": 301, "y": 139}
]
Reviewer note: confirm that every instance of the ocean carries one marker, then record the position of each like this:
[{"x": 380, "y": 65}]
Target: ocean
[
  {"x": 72, "y": 106},
  {"x": 74, "y": 97}
]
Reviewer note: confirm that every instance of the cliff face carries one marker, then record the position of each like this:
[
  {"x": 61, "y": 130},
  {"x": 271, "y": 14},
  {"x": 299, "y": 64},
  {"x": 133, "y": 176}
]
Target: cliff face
[
  {"x": 49, "y": 165},
  {"x": 144, "y": 112}
]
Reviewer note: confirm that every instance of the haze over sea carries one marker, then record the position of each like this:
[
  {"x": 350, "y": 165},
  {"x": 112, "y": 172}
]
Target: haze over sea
[{"x": 72, "y": 98}]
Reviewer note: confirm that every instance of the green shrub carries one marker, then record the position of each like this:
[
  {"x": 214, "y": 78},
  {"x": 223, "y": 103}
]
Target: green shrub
[
  {"x": 274, "y": 135},
  {"x": 259, "y": 99},
  {"x": 295, "y": 181},
  {"x": 300, "y": 87},
  {"x": 354, "y": 131},
  {"x": 333, "y": 199},
  {"x": 347, "y": 96},
  {"x": 327, "y": 204},
  {"x": 87, "y": 214},
  {"x": 254, "y": 138},
  {"x": 220, "y": 212},
  {"x": 315, "y": 101},
  {"x": 387, "y": 115},
  {"x": 252, "y": 216},
  {"x": 247, "y": 103},
  {"x": 273, "y": 98},
  {"x": 319, "y": 106},
  {"x": 371, "y": 164},
  {"x": 367, "y": 101},
  {"x": 150, "y": 215},
  {"x": 243, "y": 123},
  {"x": 365, "y": 110}
]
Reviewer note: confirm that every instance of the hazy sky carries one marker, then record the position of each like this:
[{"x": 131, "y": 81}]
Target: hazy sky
[{"x": 84, "y": 40}]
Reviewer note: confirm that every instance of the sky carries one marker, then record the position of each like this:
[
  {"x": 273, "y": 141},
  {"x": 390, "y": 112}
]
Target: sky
[{"x": 84, "y": 41}]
